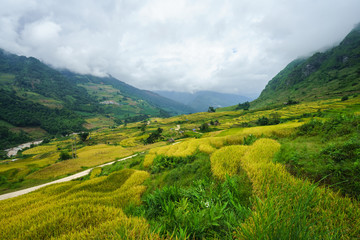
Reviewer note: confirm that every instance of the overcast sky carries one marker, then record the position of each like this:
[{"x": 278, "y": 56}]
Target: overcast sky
[{"x": 182, "y": 45}]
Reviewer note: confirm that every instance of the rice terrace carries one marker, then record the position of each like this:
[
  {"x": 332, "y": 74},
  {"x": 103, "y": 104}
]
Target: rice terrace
[{"x": 112, "y": 161}]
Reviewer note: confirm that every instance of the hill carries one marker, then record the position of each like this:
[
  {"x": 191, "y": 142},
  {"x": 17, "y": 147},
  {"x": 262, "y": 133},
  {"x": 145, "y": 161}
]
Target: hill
[
  {"x": 37, "y": 100},
  {"x": 202, "y": 100},
  {"x": 127, "y": 91},
  {"x": 333, "y": 73}
]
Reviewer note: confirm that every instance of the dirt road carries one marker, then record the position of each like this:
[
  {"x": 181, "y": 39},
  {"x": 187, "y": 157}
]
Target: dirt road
[{"x": 65, "y": 179}]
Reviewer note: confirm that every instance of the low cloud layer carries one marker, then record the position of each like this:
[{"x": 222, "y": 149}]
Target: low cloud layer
[{"x": 228, "y": 46}]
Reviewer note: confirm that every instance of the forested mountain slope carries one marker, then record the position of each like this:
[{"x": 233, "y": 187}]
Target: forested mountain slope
[
  {"x": 36, "y": 98},
  {"x": 333, "y": 73}
]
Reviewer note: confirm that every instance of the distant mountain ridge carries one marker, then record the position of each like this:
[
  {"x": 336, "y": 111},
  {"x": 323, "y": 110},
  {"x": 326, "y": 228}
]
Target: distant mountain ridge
[
  {"x": 201, "y": 100},
  {"x": 333, "y": 73}
]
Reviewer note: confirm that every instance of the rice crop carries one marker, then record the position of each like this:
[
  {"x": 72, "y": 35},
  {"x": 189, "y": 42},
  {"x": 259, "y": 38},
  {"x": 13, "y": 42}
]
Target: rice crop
[
  {"x": 226, "y": 161},
  {"x": 290, "y": 208},
  {"x": 77, "y": 209},
  {"x": 87, "y": 157}
]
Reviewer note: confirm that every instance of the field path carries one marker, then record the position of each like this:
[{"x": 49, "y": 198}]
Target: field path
[{"x": 65, "y": 179}]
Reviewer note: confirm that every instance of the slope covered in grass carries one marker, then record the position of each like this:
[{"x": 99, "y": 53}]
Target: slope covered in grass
[{"x": 333, "y": 73}]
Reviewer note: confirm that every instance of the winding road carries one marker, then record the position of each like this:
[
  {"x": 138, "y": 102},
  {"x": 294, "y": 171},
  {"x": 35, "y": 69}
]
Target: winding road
[{"x": 65, "y": 179}]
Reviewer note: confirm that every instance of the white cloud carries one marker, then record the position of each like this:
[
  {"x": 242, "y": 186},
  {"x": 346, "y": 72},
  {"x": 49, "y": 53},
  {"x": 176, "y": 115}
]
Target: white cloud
[{"x": 229, "y": 46}]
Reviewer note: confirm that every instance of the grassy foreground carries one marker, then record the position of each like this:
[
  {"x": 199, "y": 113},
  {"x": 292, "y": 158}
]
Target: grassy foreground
[{"x": 242, "y": 179}]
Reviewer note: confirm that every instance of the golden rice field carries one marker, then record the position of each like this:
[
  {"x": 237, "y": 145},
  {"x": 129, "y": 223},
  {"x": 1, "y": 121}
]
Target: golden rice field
[
  {"x": 208, "y": 145},
  {"x": 78, "y": 210},
  {"x": 87, "y": 157},
  {"x": 226, "y": 161},
  {"x": 94, "y": 208}
]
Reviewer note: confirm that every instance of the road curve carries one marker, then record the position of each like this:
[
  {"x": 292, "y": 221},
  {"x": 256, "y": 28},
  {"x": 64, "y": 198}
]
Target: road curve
[{"x": 65, "y": 179}]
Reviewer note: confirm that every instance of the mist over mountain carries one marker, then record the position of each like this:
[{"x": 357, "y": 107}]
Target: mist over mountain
[
  {"x": 332, "y": 73},
  {"x": 38, "y": 100}
]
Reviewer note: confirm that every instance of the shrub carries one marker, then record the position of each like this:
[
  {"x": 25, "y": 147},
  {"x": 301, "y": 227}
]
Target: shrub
[
  {"x": 245, "y": 106},
  {"x": 154, "y": 136},
  {"x": 310, "y": 128},
  {"x": 262, "y": 121},
  {"x": 344, "y": 98},
  {"x": 64, "y": 155},
  {"x": 250, "y": 139},
  {"x": 205, "y": 210},
  {"x": 204, "y": 127},
  {"x": 211, "y": 109},
  {"x": 83, "y": 136},
  {"x": 162, "y": 162}
]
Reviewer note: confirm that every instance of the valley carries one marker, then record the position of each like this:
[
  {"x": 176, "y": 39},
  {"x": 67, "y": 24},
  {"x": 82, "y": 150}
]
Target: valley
[{"x": 118, "y": 162}]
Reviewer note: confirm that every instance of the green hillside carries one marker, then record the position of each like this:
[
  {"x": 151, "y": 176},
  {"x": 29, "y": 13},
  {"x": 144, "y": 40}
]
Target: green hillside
[
  {"x": 124, "y": 90},
  {"x": 36, "y": 98},
  {"x": 333, "y": 73}
]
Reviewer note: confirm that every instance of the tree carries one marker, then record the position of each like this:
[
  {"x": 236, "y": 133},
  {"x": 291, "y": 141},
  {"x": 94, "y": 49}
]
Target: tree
[
  {"x": 274, "y": 118},
  {"x": 143, "y": 127},
  {"x": 262, "y": 121},
  {"x": 83, "y": 136},
  {"x": 64, "y": 155},
  {"x": 154, "y": 136},
  {"x": 291, "y": 101},
  {"x": 204, "y": 127},
  {"x": 244, "y": 106},
  {"x": 211, "y": 109},
  {"x": 344, "y": 98}
]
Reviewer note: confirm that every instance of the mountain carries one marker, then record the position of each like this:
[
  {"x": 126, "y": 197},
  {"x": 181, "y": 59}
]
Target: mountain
[
  {"x": 200, "y": 101},
  {"x": 125, "y": 90},
  {"x": 333, "y": 73},
  {"x": 40, "y": 100}
]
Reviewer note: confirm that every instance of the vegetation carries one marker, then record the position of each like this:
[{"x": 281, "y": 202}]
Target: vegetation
[
  {"x": 321, "y": 76},
  {"x": 244, "y": 106},
  {"x": 33, "y": 95},
  {"x": 9, "y": 138}
]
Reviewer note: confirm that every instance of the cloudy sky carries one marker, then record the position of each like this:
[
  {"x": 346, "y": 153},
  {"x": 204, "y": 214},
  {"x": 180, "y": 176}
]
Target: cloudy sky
[{"x": 183, "y": 45}]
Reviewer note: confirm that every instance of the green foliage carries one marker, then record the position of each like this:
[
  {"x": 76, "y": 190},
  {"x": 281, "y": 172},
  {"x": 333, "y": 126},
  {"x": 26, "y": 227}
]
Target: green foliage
[
  {"x": 310, "y": 128},
  {"x": 262, "y": 121},
  {"x": 205, "y": 127},
  {"x": 336, "y": 126},
  {"x": 347, "y": 151},
  {"x": 9, "y": 139},
  {"x": 185, "y": 175},
  {"x": 163, "y": 106},
  {"x": 211, "y": 109},
  {"x": 83, "y": 136},
  {"x": 250, "y": 139},
  {"x": 162, "y": 162},
  {"x": 291, "y": 102},
  {"x": 143, "y": 127},
  {"x": 154, "y": 136},
  {"x": 344, "y": 98},
  {"x": 245, "y": 106},
  {"x": 64, "y": 155},
  {"x": 28, "y": 114},
  {"x": 206, "y": 209},
  {"x": 331, "y": 154},
  {"x": 329, "y": 74}
]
